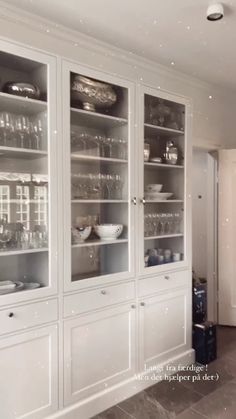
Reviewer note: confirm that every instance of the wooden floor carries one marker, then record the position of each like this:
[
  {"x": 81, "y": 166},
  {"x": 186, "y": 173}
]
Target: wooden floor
[{"x": 213, "y": 399}]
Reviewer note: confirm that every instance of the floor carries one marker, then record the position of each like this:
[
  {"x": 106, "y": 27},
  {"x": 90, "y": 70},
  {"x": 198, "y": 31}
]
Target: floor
[{"x": 215, "y": 399}]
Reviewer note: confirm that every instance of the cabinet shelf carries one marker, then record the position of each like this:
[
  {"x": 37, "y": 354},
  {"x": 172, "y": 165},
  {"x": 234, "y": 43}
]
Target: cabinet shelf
[
  {"x": 162, "y": 166},
  {"x": 99, "y": 243},
  {"x": 95, "y": 119},
  {"x": 22, "y": 252},
  {"x": 21, "y": 153},
  {"x": 99, "y": 201},
  {"x": 81, "y": 157},
  {"x": 155, "y": 129},
  {"x": 163, "y": 201},
  {"x": 164, "y": 236},
  {"x": 19, "y": 104}
]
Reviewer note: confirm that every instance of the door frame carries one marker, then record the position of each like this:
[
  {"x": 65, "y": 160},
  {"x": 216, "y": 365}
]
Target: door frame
[{"x": 212, "y": 231}]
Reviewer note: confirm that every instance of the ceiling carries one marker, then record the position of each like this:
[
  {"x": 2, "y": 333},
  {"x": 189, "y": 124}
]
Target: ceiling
[{"x": 175, "y": 33}]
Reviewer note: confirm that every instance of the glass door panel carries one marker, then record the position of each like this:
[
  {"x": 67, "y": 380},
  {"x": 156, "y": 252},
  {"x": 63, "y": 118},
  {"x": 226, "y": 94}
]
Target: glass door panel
[
  {"x": 24, "y": 174},
  {"x": 99, "y": 169},
  {"x": 164, "y": 181}
]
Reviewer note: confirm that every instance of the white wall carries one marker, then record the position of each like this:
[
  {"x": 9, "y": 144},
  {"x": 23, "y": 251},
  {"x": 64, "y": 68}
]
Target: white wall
[
  {"x": 199, "y": 215},
  {"x": 213, "y": 119}
]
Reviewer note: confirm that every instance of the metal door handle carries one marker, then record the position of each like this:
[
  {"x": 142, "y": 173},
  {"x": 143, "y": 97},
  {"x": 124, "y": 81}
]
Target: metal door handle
[
  {"x": 134, "y": 200},
  {"x": 143, "y": 201},
  {"x": 11, "y": 314}
]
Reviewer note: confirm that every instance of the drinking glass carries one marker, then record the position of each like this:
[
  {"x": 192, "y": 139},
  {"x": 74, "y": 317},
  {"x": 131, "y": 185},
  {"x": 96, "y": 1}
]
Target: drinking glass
[
  {"x": 22, "y": 129},
  {"x": 177, "y": 221},
  {"x": 6, "y": 127}
]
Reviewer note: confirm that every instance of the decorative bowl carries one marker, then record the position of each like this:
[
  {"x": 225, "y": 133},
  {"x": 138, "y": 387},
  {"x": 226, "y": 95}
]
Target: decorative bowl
[
  {"x": 80, "y": 234},
  {"x": 108, "y": 231},
  {"x": 154, "y": 187},
  {"x": 22, "y": 89},
  {"x": 92, "y": 93}
]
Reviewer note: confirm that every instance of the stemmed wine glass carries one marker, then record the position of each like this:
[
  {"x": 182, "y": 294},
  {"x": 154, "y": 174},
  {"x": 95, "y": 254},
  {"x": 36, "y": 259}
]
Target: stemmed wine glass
[{"x": 6, "y": 127}]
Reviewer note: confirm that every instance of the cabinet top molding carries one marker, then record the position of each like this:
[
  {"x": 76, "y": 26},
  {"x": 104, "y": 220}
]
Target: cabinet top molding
[{"x": 51, "y": 29}]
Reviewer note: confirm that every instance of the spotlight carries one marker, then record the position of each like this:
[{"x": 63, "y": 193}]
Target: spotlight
[{"x": 215, "y": 12}]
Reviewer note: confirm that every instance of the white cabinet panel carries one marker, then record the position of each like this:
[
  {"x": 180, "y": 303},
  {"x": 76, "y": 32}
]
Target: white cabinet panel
[
  {"x": 163, "y": 327},
  {"x": 164, "y": 282},
  {"x": 99, "y": 351},
  {"x": 29, "y": 315},
  {"x": 99, "y": 298},
  {"x": 28, "y": 379}
]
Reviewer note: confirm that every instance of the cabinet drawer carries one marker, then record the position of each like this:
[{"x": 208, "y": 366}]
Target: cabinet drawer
[
  {"x": 23, "y": 317},
  {"x": 101, "y": 297},
  {"x": 164, "y": 282}
]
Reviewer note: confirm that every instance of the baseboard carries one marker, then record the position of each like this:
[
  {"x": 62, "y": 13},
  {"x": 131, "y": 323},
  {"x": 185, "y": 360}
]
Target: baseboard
[{"x": 116, "y": 394}]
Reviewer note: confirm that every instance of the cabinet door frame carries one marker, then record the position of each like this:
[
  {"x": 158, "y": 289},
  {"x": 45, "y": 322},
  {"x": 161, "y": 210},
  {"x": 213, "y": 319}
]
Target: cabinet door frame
[
  {"x": 67, "y": 67},
  {"x": 144, "y": 364},
  {"x": 52, "y": 333},
  {"x": 141, "y": 91},
  {"x": 52, "y": 143},
  {"x": 82, "y": 320}
]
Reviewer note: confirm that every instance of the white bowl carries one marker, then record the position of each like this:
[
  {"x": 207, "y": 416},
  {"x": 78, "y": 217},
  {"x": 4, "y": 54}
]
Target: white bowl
[
  {"x": 80, "y": 234},
  {"x": 108, "y": 231},
  {"x": 159, "y": 196},
  {"x": 154, "y": 187}
]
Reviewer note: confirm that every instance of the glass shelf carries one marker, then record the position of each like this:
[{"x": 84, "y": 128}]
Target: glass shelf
[
  {"x": 164, "y": 236},
  {"x": 99, "y": 243},
  {"x": 22, "y": 252},
  {"x": 19, "y": 104},
  {"x": 162, "y": 130},
  {"x": 90, "y": 159},
  {"x": 21, "y": 153},
  {"x": 96, "y": 120},
  {"x": 162, "y": 166}
]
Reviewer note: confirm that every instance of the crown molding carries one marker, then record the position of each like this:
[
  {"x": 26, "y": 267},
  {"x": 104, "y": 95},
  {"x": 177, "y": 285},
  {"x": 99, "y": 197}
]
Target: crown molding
[{"x": 41, "y": 25}]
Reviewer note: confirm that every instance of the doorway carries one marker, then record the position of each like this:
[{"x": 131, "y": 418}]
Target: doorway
[{"x": 204, "y": 224}]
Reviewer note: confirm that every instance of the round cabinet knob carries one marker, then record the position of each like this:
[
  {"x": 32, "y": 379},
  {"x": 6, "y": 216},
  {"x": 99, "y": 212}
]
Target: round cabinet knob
[
  {"x": 142, "y": 304},
  {"x": 167, "y": 277},
  {"x": 143, "y": 201},
  {"x": 133, "y": 306},
  {"x": 134, "y": 200},
  {"x": 103, "y": 292},
  {"x": 11, "y": 314}
]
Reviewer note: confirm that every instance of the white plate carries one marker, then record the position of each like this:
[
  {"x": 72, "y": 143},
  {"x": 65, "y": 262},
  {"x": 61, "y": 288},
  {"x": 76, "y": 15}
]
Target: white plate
[
  {"x": 7, "y": 285},
  {"x": 18, "y": 287},
  {"x": 31, "y": 285},
  {"x": 158, "y": 195}
]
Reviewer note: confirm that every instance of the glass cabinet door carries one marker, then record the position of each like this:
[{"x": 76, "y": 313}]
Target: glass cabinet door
[
  {"x": 163, "y": 209},
  {"x": 26, "y": 233},
  {"x": 98, "y": 231}
]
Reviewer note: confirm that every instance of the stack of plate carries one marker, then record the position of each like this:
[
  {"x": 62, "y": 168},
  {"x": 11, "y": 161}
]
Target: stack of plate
[
  {"x": 7, "y": 287},
  {"x": 153, "y": 192},
  {"x": 158, "y": 196}
]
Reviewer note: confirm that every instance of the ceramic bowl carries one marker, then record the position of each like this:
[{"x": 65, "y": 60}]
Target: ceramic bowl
[
  {"x": 108, "y": 231},
  {"x": 154, "y": 187},
  {"x": 80, "y": 234}
]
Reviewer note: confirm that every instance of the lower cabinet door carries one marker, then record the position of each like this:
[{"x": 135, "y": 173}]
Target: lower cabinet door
[
  {"x": 164, "y": 327},
  {"x": 29, "y": 374},
  {"x": 99, "y": 351}
]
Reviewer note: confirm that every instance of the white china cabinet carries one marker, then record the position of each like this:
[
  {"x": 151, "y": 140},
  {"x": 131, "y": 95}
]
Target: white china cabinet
[
  {"x": 28, "y": 234},
  {"x": 110, "y": 292},
  {"x": 120, "y": 159}
]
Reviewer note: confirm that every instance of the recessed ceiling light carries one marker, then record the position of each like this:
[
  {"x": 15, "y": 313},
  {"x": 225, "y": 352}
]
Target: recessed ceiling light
[{"x": 215, "y": 12}]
